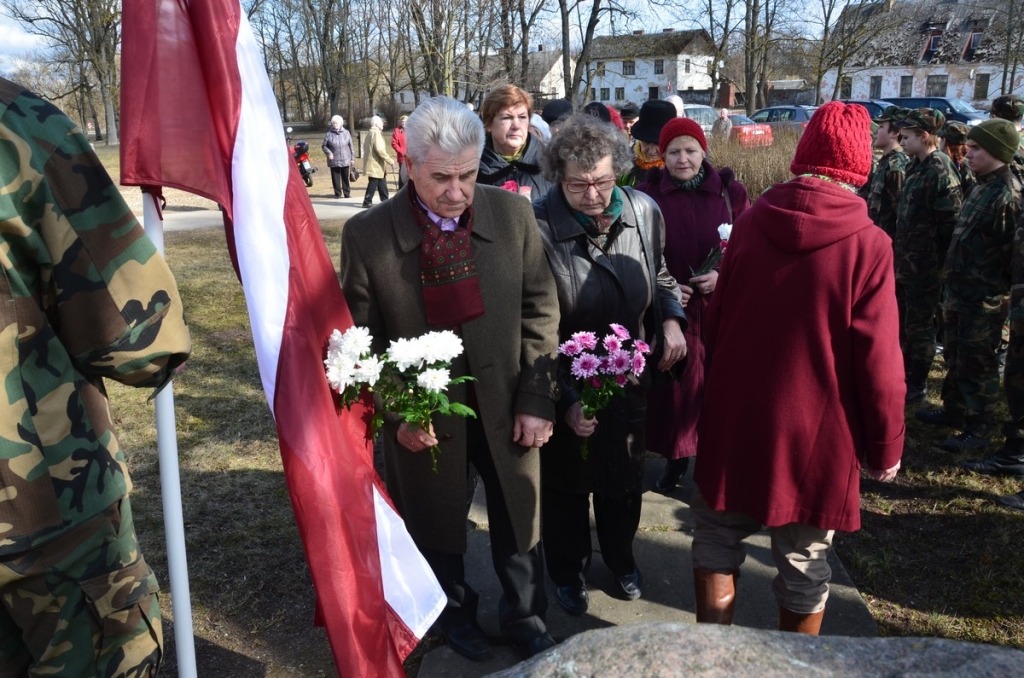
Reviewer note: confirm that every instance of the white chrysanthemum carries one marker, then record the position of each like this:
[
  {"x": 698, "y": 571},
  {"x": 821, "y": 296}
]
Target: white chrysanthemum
[
  {"x": 368, "y": 370},
  {"x": 334, "y": 344},
  {"x": 440, "y": 347},
  {"x": 433, "y": 379},
  {"x": 406, "y": 353},
  {"x": 356, "y": 342},
  {"x": 724, "y": 231},
  {"x": 340, "y": 372}
]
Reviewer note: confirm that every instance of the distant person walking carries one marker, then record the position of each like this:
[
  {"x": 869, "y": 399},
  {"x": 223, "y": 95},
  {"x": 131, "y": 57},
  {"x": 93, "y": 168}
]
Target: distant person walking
[
  {"x": 375, "y": 162},
  {"x": 337, "y": 145},
  {"x": 398, "y": 146},
  {"x": 722, "y": 127}
]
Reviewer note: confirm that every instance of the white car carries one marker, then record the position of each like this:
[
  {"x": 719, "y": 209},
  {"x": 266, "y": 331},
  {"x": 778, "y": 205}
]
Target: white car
[{"x": 704, "y": 116}]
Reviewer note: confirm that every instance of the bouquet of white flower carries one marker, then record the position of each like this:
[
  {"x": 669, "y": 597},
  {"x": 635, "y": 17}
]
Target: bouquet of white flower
[{"x": 410, "y": 378}]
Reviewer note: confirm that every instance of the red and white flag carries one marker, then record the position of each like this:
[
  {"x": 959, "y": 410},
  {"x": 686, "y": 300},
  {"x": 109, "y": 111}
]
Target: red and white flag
[{"x": 198, "y": 113}]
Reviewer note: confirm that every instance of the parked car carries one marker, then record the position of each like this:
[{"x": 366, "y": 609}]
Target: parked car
[
  {"x": 874, "y": 106},
  {"x": 785, "y": 119},
  {"x": 748, "y": 133},
  {"x": 953, "y": 109},
  {"x": 704, "y": 116}
]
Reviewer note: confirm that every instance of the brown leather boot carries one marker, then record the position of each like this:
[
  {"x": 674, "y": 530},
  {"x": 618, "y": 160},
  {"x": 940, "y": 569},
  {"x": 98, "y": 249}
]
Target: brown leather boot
[
  {"x": 715, "y": 595},
  {"x": 800, "y": 623}
]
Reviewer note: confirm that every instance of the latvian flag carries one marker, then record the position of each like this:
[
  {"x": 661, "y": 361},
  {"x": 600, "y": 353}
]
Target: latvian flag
[{"x": 198, "y": 113}]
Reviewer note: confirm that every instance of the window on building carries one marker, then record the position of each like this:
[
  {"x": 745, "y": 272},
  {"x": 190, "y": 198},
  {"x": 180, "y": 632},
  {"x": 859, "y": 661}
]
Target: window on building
[
  {"x": 653, "y": 93},
  {"x": 981, "y": 81},
  {"x": 686, "y": 66},
  {"x": 593, "y": 94},
  {"x": 620, "y": 93},
  {"x": 973, "y": 42},
  {"x": 906, "y": 86},
  {"x": 629, "y": 68},
  {"x": 604, "y": 94},
  {"x": 931, "y": 47},
  {"x": 659, "y": 66},
  {"x": 936, "y": 86},
  {"x": 875, "y": 92},
  {"x": 846, "y": 87},
  {"x": 599, "y": 71},
  {"x": 401, "y": 97}
]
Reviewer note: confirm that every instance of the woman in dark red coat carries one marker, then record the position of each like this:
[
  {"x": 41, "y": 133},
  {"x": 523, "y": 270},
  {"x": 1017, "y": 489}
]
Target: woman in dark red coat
[
  {"x": 696, "y": 199},
  {"x": 806, "y": 381}
]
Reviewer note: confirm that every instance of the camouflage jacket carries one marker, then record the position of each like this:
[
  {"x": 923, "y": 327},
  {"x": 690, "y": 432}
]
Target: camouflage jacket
[
  {"x": 978, "y": 262},
  {"x": 83, "y": 295},
  {"x": 884, "y": 188},
  {"x": 927, "y": 213},
  {"x": 967, "y": 180}
]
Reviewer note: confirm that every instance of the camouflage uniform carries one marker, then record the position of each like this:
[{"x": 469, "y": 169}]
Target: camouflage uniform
[
  {"x": 955, "y": 134},
  {"x": 925, "y": 219},
  {"x": 84, "y": 296},
  {"x": 884, "y": 188},
  {"x": 977, "y": 278},
  {"x": 1013, "y": 375},
  {"x": 1011, "y": 107}
]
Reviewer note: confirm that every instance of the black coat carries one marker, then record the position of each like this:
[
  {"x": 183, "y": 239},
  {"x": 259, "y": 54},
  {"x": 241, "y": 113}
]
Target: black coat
[
  {"x": 495, "y": 170},
  {"x": 596, "y": 288}
]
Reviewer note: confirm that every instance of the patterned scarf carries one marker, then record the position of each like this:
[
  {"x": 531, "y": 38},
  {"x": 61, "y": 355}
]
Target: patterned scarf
[
  {"x": 693, "y": 182},
  {"x": 849, "y": 187},
  {"x": 601, "y": 228},
  {"x": 451, "y": 290},
  {"x": 641, "y": 161}
]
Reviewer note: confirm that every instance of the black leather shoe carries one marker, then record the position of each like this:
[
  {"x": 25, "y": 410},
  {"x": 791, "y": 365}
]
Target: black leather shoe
[
  {"x": 574, "y": 599},
  {"x": 964, "y": 442},
  {"x": 1014, "y": 501},
  {"x": 1002, "y": 464},
  {"x": 630, "y": 585},
  {"x": 674, "y": 470},
  {"x": 938, "y": 417},
  {"x": 536, "y": 645},
  {"x": 470, "y": 641}
]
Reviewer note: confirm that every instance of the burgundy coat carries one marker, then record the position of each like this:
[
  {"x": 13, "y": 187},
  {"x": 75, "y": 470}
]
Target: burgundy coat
[
  {"x": 806, "y": 378},
  {"x": 691, "y": 231}
]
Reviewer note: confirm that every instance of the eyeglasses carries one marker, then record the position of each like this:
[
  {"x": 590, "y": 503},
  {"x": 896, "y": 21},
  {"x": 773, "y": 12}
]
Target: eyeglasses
[{"x": 582, "y": 186}]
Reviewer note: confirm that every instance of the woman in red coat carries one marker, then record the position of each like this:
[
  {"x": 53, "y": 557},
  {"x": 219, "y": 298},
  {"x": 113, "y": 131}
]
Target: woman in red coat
[
  {"x": 696, "y": 199},
  {"x": 806, "y": 380}
]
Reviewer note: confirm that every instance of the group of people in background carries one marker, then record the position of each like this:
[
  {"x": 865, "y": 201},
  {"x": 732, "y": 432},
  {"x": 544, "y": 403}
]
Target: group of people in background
[
  {"x": 779, "y": 369},
  {"x": 949, "y": 196}
]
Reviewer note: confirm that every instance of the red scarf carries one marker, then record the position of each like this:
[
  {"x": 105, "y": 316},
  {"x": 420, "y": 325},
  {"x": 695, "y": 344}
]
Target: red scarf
[{"x": 451, "y": 290}]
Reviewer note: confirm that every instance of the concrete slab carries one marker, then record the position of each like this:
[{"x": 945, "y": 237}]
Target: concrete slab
[{"x": 663, "y": 549}]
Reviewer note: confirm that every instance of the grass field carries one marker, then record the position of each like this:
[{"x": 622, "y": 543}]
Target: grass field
[{"x": 935, "y": 556}]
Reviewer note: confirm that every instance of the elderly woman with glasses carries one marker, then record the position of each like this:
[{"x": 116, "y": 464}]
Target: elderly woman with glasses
[{"x": 604, "y": 245}]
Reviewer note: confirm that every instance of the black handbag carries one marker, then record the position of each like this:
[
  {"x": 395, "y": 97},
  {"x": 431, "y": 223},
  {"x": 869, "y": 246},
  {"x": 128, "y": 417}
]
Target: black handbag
[{"x": 353, "y": 174}]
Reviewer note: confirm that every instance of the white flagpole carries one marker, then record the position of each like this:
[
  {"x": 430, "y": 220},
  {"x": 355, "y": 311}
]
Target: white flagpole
[{"x": 170, "y": 489}]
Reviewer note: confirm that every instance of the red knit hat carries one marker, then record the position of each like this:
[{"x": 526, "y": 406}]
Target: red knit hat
[
  {"x": 681, "y": 127},
  {"x": 836, "y": 144}
]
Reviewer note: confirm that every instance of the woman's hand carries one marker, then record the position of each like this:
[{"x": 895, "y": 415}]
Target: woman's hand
[
  {"x": 415, "y": 439},
  {"x": 579, "y": 424},
  {"x": 686, "y": 291},
  {"x": 675, "y": 344},
  {"x": 705, "y": 284},
  {"x": 330, "y": 156}
]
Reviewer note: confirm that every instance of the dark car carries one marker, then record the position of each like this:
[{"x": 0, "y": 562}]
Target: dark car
[
  {"x": 953, "y": 109},
  {"x": 874, "y": 106},
  {"x": 785, "y": 119},
  {"x": 748, "y": 133}
]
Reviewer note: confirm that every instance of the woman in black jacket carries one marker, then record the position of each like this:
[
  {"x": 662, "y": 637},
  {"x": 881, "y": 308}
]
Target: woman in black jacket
[{"x": 511, "y": 157}]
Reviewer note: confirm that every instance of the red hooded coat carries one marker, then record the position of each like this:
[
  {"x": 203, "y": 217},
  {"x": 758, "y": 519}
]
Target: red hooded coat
[{"x": 806, "y": 377}]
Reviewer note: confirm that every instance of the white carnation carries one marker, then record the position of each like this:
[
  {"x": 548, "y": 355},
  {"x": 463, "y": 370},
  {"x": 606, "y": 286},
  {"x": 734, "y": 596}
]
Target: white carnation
[
  {"x": 433, "y": 379},
  {"x": 368, "y": 370},
  {"x": 340, "y": 371},
  {"x": 440, "y": 347},
  {"x": 406, "y": 353},
  {"x": 356, "y": 342},
  {"x": 724, "y": 231}
]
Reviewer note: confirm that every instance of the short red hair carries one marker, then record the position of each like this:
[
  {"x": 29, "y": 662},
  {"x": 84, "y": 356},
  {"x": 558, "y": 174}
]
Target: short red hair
[{"x": 500, "y": 98}]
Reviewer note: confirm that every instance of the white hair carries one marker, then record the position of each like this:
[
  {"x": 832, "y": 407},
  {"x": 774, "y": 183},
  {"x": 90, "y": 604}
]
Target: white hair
[
  {"x": 338, "y": 120},
  {"x": 538, "y": 123},
  {"x": 444, "y": 123},
  {"x": 676, "y": 101},
  {"x": 375, "y": 121}
]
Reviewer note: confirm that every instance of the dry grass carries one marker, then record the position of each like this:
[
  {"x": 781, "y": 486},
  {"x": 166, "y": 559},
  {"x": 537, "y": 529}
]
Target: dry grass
[{"x": 756, "y": 168}]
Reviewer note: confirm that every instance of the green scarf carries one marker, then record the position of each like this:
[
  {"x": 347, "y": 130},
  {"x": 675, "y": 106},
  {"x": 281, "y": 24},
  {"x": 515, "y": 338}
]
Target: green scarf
[
  {"x": 602, "y": 228},
  {"x": 692, "y": 183}
]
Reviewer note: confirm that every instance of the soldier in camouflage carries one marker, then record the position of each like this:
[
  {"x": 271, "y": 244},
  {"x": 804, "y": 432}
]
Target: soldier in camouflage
[
  {"x": 884, "y": 186},
  {"x": 927, "y": 212},
  {"x": 84, "y": 295},
  {"x": 953, "y": 142},
  {"x": 977, "y": 278},
  {"x": 1011, "y": 107}
]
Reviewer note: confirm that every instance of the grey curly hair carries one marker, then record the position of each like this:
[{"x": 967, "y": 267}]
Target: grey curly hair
[{"x": 585, "y": 140}]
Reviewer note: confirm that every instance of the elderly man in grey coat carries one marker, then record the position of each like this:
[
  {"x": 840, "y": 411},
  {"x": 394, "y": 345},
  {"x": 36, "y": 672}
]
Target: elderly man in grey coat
[{"x": 492, "y": 286}]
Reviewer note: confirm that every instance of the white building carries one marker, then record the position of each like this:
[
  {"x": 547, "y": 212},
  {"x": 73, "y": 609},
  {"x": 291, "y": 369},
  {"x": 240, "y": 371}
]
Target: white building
[
  {"x": 925, "y": 48},
  {"x": 638, "y": 67}
]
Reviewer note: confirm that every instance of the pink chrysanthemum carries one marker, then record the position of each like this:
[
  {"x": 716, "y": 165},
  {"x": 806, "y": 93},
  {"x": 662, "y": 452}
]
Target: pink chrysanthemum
[
  {"x": 618, "y": 362},
  {"x": 621, "y": 380},
  {"x": 587, "y": 340},
  {"x": 639, "y": 362},
  {"x": 612, "y": 343},
  {"x": 585, "y": 365},
  {"x": 620, "y": 331},
  {"x": 570, "y": 348},
  {"x": 595, "y": 382},
  {"x": 642, "y": 346}
]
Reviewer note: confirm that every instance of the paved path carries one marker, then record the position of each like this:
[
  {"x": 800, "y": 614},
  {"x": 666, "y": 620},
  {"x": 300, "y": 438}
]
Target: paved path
[
  {"x": 663, "y": 553},
  {"x": 191, "y": 219}
]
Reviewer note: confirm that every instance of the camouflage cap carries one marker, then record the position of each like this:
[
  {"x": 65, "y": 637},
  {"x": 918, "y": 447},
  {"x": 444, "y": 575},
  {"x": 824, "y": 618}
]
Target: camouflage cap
[
  {"x": 1008, "y": 107},
  {"x": 954, "y": 132},
  {"x": 891, "y": 114},
  {"x": 925, "y": 119}
]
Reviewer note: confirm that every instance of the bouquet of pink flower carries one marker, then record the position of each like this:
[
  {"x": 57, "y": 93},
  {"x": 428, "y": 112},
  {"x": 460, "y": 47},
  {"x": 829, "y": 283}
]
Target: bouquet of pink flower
[
  {"x": 716, "y": 253},
  {"x": 602, "y": 367}
]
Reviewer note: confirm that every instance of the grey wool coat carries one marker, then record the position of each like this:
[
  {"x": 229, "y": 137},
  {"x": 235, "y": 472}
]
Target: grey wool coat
[{"x": 510, "y": 350}]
